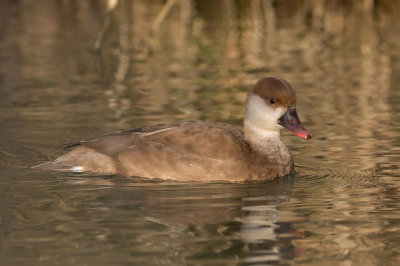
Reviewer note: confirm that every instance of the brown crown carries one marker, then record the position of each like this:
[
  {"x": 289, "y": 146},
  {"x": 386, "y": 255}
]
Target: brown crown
[{"x": 278, "y": 89}]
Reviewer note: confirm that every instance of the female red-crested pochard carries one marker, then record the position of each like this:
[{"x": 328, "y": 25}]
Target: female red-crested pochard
[{"x": 199, "y": 150}]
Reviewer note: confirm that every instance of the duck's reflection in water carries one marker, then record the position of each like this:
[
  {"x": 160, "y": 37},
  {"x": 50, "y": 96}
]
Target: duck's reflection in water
[
  {"x": 266, "y": 234},
  {"x": 190, "y": 222}
]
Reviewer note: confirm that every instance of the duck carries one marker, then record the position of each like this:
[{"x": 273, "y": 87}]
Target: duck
[{"x": 198, "y": 150}]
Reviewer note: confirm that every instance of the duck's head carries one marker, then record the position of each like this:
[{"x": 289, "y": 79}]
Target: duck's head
[{"x": 271, "y": 105}]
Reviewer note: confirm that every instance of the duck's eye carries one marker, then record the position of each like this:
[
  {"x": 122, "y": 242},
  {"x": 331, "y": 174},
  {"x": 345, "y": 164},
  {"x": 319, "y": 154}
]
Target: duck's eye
[{"x": 272, "y": 100}]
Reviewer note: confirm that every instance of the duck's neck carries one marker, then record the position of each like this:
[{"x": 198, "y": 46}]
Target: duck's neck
[
  {"x": 262, "y": 139},
  {"x": 271, "y": 154}
]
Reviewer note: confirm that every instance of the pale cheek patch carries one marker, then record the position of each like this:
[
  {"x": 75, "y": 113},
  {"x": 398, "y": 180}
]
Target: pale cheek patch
[
  {"x": 279, "y": 113},
  {"x": 259, "y": 113}
]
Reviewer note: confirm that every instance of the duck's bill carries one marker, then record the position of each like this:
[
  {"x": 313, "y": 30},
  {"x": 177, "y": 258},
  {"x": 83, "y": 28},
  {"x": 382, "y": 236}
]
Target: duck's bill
[{"x": 290, "y": 120}]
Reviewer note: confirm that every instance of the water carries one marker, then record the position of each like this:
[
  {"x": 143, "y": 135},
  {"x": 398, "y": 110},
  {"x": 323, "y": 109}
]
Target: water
[{"x": 342, "y": 205}]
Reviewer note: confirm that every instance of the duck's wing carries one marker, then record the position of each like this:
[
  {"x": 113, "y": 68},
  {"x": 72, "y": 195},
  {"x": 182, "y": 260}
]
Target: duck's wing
[
  {"x": 208, "y": 139},
  {"x": 182, "y": 151},
  {"x": 96, "y": 154},
  {"x": 193, "y": 136},
  {"x": 113, "y": 143},
  {"x": 187, "y": 151}
]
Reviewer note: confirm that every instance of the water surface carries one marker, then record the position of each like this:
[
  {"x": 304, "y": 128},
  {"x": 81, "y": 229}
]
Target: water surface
[{"x": 342, "y": 205}]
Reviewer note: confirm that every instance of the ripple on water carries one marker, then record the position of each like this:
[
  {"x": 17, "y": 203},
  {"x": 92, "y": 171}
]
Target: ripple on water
[{"x": 346, "y": 211}]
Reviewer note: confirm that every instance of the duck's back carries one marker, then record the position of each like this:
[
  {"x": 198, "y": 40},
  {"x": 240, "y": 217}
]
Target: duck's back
[{"x": 192, "y": 150}]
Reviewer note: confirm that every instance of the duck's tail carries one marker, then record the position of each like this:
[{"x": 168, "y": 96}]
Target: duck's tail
[{"x": 81, "y": 159}]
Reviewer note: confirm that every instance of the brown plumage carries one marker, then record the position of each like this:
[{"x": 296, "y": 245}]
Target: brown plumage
[{"x": 198, "y": 150}]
